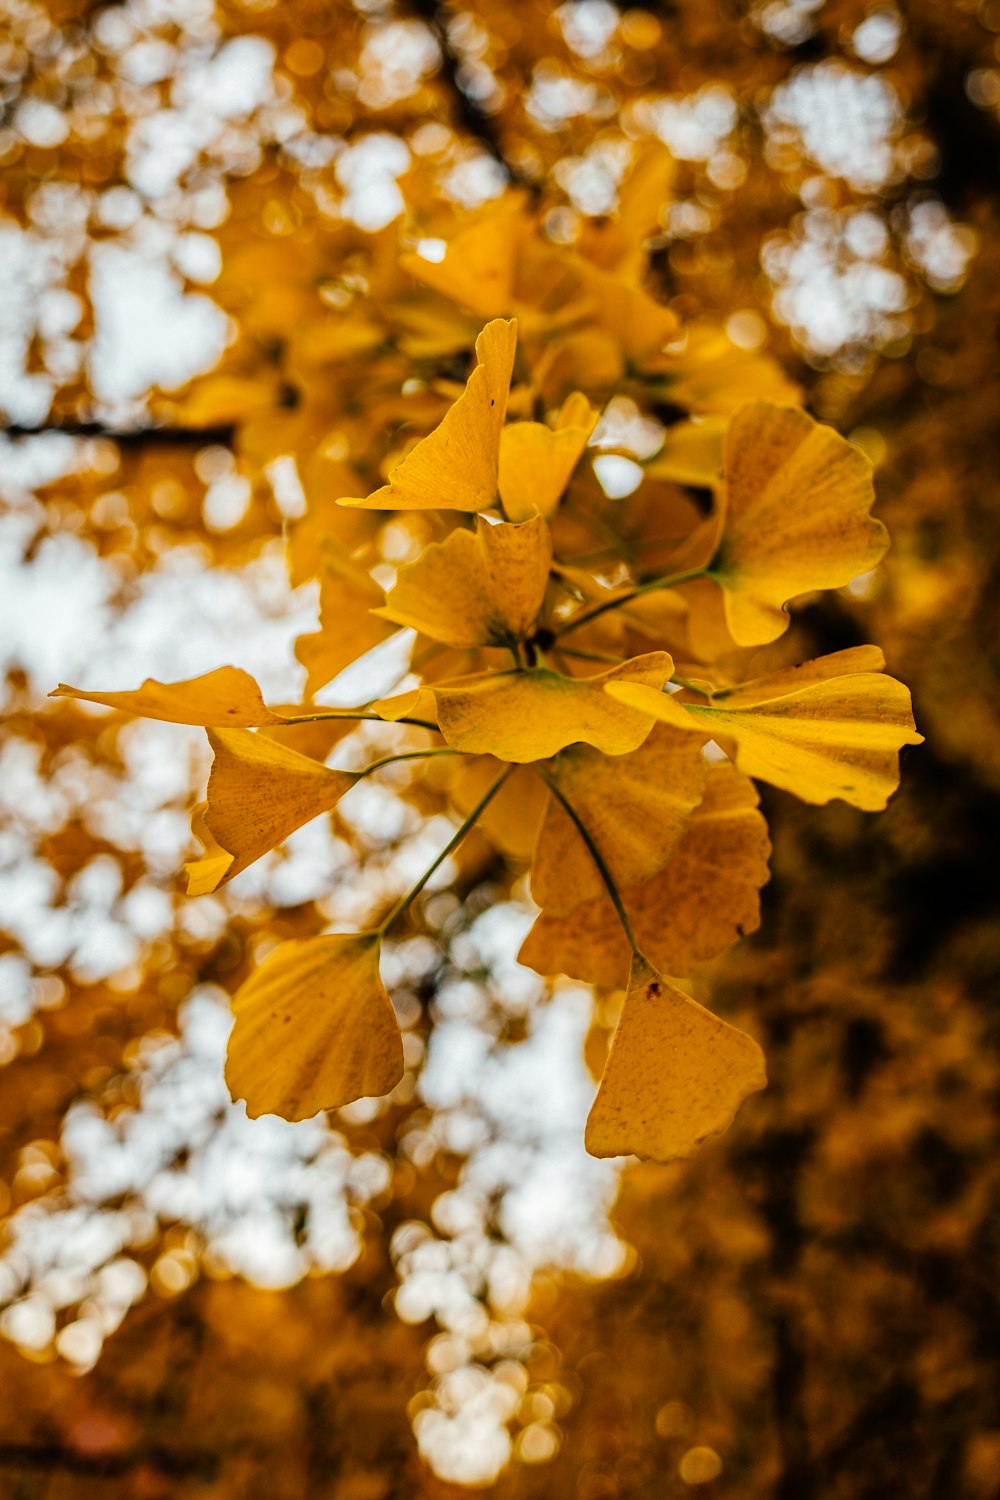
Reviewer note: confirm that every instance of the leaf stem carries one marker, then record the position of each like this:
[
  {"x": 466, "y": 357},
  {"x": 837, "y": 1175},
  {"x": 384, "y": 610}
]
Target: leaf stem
[
  {"x": 348, "y": 713},
  {"x": 620, "y": 599},
  {"x": 453, "y": 843},
  {"x": 390, "y": 760},
  {"x": 599, "y": 861}
]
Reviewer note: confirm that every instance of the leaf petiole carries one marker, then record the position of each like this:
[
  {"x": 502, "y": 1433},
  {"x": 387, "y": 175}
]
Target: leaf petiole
[
  {"x": 599, "y": 861},
  {"x": 390, "y": 760},
  {"x": 453, "y": 843},
  {"x": 349, "y": 713},
  {"x": 643, "y": 588}
]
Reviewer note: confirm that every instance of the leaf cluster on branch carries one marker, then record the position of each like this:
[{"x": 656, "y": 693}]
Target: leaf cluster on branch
[{"x": 595, "y": 678}]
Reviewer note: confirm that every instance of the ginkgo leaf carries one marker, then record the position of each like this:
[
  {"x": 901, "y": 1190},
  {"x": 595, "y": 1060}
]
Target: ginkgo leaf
[
  {"x": 705, "y": 898},
  {"x": 477, "y": 267},
  {"x": 522, "y": 716},
  {"x": 796, "y": 517},
  {"x": 314, "y": 1029},
  {"x": 477, "y": 588},
  {"x": 822, "y": 730},
  {"x": 207, "y": 873},
  {"x": 634, "y": 808},
  {"x": 691, "y": 452},
  {"x": 536, "y": 461},
  {"x": 259, "y": 792},
  {"x": 349, "y": 624},
  {"x": 675, "y": 1076},
  {"x": 706, "y": 372},
  {"x": 641, "y": 325},
  {"x": 455, "y": 466},
  {"x": 227, "y": 698}
]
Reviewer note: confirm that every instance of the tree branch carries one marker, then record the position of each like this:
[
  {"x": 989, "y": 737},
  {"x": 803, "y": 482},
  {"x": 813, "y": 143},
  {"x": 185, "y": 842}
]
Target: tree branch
[{"x": 130, "y": 437}]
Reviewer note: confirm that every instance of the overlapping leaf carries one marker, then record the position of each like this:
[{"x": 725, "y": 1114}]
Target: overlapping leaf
[
  {"x": 524, "y": 715},
  {"x": 831, "y": 728},
  {"x": 259, "y": 792},
  {"x": 455, "y": 466},
  {"x": 704, "y": 899},
  {"x": 478, "y": 588},
  {"x": 634, "y": 808}
]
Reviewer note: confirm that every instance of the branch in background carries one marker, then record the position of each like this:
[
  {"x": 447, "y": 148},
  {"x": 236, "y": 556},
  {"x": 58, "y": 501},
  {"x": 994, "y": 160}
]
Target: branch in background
[
  {"x": 471, "y": 115},
  {"x": 133, "y": 437}
]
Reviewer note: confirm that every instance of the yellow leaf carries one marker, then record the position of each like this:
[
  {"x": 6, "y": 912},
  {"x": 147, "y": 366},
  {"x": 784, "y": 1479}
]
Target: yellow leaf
[
  {"x": 455, "y": 466},
  {"x": 476, "y": 588},
  {"x": 207, "y": 873},
  {"x": 259, "y": 792},
  {"x": 349, "y": 626},
  {"x": 641, "y": 325},
  {"x": 536, "y": 461},
  {"x": 219, "y": 399},
  {"x": 478, "y": 265},
  {"x": 691, "y": 453},
  {"x": 823, "y": 730},
  {"x": 418, "y": 703},
  {"x": 314, "y": 1029},
  {"x": 227, "y": 698},
  {"x": 522, "y": 716},
  {"x": 707, "y": 372},
  {"x": 676, "y": 1074},
  {"x": 634, "y": 807},
  {"x": 704, "y": 899},
  {"x": 796, "y": 503}
]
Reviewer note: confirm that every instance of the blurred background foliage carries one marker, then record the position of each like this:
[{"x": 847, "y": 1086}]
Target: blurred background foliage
[{"x": 444, "y": 1291}]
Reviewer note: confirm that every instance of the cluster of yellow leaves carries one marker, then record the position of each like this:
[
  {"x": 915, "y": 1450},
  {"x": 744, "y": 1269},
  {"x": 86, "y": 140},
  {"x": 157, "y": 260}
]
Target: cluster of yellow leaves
[{"x": 520, "y": 576}]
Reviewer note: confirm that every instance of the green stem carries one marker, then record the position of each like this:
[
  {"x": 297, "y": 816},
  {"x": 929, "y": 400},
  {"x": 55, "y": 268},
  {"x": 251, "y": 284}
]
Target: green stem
[
  {"x": 640, "y": 589},
  {"x": 390, "y": 760},
  {"x": 598, "y": 859},
  {"x": 320, "y": 718},
  {"x": 453, "y": 843}
]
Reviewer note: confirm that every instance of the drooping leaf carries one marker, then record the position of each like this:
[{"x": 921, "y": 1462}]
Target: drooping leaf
[
  {"x": 259, "y": 792},
  {"x": 227, "y": 698},
  {"x": 314, "y": 1029},
  {"x": 796, "y": 517},
  {"x": 478, "y": 588},
  {"x": 838, "y": 735},
  {"x": 455, "y": 466},
  {"x": 634, "y": 807},
  {"x": 705, "y": 898},
  {"x": 675, "y": 1076},
  {"x": 523, "y": 716}
]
